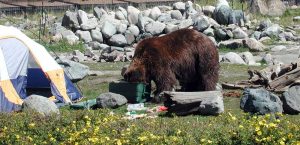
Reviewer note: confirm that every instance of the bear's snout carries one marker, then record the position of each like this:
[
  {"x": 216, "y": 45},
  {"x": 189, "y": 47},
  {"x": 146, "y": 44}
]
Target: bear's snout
[{"x": 133, "y": 76}]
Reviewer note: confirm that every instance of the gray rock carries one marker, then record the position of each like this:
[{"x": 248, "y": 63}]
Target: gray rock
[
  {"x": 143, "y": 21},
  {"x": 84, "y": 35},
  {"x": 113, "y": 56},
  {"x": 264, "y": 24},
  {"x": 236, "y": 17},
  {"x": 118, "y": 40},
  {"x": 222, "y": 13},
  {"x": 82, "y": 17},
  {"x": 90, "y": 24},
  {"x": 129, "y": 37},
  {"x": 229, "y": 33},
  {"x": 278, "y": 48},
  {"x": 232, "y": 44},
  {"x": 164, "y": 18},
  {"x": 189, "y": 10},
  {"x": 115, "y": 48},
  {"x": 99, "y": 12},
  {"x": 267, "y": 7},
  {"x": 268, "y": 58},
  {"x": 79, "y": 56},
  {"x": 256, "y": 35},
  {"x": 232, "y": 58},
  {"x": 221, "y": 34},
  {"x": 209, "y": 32},
  {"x": 89, "y": 52},
  {"x": 69, "y": 36},
  {"x": 179, "y": 6},
  {"x": 119, "y": 15},
  {"x": 289, "y": 36},
  {"x": 70, "y": 20},
  {"x": 133, "y": 14},
  {"x": 260, "y": 101},
  {"x": 56, "y": 28},
  {"x": 110, "y": 100},
  {"x": 238, "y": 33},
  {"x": 95, "y": 45},
  {"x": 155, "y": 13},
  {"x": 124, "y": 12},
  {"x": 208, "y": 10},
  {"x": 104, "y": 46},
  {"x": 75, "y": 71},
  {"x": 97, "y": 35},
  {"x": 201, "y": 23},
  {"x": 273, "y": 31},
  {"x": 253, "y": 45},
  {"x": 185, "y": 23},
  {"x": 108, "y": 29},
  {"x": 41, "y": 105},
  {"x": 176, "y": 14},
  {"x": 248, "y": 58},
  {"x": 291, "y": 100},
  {"x": 296, "y": 19},
  {"x": 214, "y": 23},
  {"x": 155, "y": 28},
  {"x": 170, "y": 28},
  {"x": 121, "y": 28},
  {"x": 164, "y": 8},
  {"x": 134, "y": 30}
]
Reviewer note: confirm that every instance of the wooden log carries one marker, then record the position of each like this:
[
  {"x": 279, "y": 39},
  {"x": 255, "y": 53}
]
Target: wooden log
[
  {"x": 239, "y": 86},
  {"x": 285, "y": 80},
  {"x": 203, "y": 103}
]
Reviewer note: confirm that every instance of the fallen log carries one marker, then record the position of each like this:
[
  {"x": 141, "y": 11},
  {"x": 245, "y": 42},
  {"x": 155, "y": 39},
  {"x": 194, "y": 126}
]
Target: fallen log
[
  {"x": 282, "y": 82},
  {"x": 203, "y": 103},
  {"x": 239, "y": 86}
]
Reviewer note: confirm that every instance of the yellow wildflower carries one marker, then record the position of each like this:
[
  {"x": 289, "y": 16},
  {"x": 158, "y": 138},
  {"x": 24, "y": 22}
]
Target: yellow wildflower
[
  {"x": 241, "y": 126},
  {"x": 119, "y": 142},
  {"x": 142, "y": 138},
  {"x": 209, "y": 141},
  {"x": 257, "y": 128},
  {"x": 259, "y": 133},
  {"x": 31, "y": 125},
  {"x": 202, "y": 140}
]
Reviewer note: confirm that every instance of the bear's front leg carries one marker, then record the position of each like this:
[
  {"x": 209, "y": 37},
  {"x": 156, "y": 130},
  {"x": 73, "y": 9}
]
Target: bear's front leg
[{"x": 163, "y": 82}]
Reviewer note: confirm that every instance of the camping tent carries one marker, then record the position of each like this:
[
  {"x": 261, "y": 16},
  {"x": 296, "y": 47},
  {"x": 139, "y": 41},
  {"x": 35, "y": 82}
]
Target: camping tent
[{"x": 25, "y": 63}]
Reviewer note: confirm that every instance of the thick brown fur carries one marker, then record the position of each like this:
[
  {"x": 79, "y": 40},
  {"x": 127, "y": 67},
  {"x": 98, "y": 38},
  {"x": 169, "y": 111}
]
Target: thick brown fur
[{"x": 185, "y": 55}]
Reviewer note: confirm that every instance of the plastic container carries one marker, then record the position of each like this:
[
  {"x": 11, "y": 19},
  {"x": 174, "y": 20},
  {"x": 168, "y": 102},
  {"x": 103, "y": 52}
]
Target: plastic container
[{"x": 134, "y": 92}]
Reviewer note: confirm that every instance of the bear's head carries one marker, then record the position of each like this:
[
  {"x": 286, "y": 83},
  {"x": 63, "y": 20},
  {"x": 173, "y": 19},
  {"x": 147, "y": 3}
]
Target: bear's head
[{"x": 136, "y": 72}]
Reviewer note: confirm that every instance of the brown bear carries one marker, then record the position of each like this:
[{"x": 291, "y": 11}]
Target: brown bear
[{"x": 185, "y": 55}]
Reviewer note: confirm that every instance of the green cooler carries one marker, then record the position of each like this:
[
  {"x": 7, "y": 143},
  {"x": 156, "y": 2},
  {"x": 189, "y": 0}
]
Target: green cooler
[{"x": 134, "y": 92}]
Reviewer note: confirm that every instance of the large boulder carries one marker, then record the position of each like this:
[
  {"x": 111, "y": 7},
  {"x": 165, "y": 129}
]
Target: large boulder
[
  {"x": 133, "y": 15},
  {"x": 84, "y": 35},
  {"x": 291, "y": 100},
  {"x": 221, "y": 34},
  {"x": 185, "y": 23},
  {"x": 260, "y": 101},
  {"x": 82, "y": 17},
  {"x": 143, "y": 21},
  {"x": 90, "y": 24},
  {"x": 155, "y": 13},
  {"x": 75, "y": 71},
  {"x": 176, "y": 14},
  {"x": 41, "y": 105},
  {"x": 170, "y": 28},
  {"x": 253, "y": 45},
  {"x": 110, "y": 100},
  {"x": 134, "y": 30},
  {"x": 164, "y": 18},
  {"x": 97, "y": 35},
  {"x": 273, "y": 31},
  {"x": 121, "y": 28},
  {"x": 189, "y": 10},
  {"x": 108, "y": 29},
  {"x": 222, "y": 13},
  {"x": 118, "y": 40},
  {"x": 179, "y": 6},
  {"x": 69, "y": 36},
  {"x": 201, "y": 23},
  {"x": 267, "y": 7},
  {"x": 208, "y": 10},
  {"x": 232, "y": 58},
  {"x": 236, "y": 17},
  {"x": 155, "y": 28},
  {"x": 248, "y": 58},
  {"x": 99, "y": 12},
  {"x": 238, "y": 33},
  {"x": 70, "y": 20}
]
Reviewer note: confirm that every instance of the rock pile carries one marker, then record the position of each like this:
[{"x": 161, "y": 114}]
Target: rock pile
[{"x": 111, "y": 35}]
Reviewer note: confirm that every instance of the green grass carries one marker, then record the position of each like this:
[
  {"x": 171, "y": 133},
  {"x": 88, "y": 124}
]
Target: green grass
[
  {"x": 63, "y": 46},
  {"x": 226, "y": 49}
]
